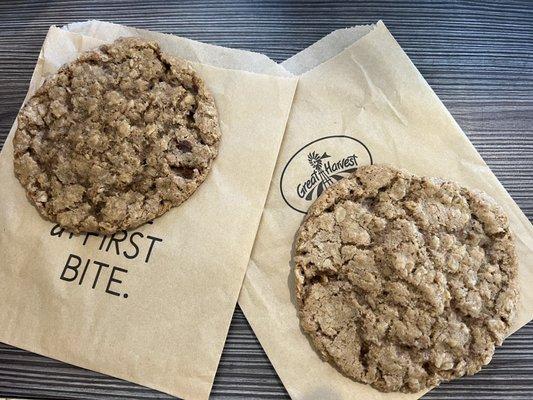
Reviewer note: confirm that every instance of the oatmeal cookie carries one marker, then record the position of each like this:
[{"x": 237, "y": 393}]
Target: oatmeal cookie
[
  {"x": 116, "y": 138},
  {"x": 403, "y": 281}
]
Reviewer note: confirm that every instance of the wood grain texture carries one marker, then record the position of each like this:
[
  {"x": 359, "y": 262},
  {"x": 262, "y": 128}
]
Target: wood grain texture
[{"x": 477, "y": 56}]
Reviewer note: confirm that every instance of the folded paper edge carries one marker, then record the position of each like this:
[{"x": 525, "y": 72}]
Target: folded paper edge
[
  {"x": 327, "y": 48},
  {"x": 220, "y": 56}
]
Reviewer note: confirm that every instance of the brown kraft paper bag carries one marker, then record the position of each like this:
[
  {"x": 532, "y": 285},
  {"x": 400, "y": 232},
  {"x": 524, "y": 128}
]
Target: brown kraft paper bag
[
  {"x": 151, "y": 305},
  {"x": 359, "y": 97}
]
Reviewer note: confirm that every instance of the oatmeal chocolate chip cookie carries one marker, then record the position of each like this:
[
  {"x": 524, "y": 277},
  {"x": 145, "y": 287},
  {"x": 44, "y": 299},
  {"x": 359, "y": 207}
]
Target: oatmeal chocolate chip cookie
[
  {"x": 403, "y": 282},
  {"x": 116, "y": 138}
]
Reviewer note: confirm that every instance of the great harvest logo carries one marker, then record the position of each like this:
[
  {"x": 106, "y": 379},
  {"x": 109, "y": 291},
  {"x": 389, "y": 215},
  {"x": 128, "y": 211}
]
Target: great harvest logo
[
  {"x": 324, "y": 174},
  {"x": 318, "y": 165}
]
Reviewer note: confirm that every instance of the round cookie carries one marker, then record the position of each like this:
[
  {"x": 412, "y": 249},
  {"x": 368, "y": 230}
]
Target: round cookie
[
  {"x": 403, "y": 281},
  {"x": 116, "y": 138}
]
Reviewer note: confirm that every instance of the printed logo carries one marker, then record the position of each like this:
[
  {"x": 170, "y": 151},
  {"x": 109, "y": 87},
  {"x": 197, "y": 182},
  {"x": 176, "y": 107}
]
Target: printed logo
[{"x": 318, "y": 165}]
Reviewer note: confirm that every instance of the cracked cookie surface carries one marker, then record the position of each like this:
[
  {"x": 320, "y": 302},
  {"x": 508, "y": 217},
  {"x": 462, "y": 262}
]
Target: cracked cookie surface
[
  {"x": 116, "y": 138},
  {"x": 403, "y": 281}
]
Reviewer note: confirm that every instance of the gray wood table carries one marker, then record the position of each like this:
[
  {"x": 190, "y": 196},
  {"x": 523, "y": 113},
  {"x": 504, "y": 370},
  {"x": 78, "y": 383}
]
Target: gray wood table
[{"x": 476, "y": 56}]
